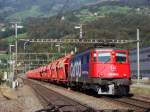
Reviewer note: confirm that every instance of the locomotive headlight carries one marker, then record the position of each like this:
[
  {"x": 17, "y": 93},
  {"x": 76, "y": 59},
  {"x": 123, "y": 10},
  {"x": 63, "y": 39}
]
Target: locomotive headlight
[
  {"x": 113, "y": 53},
  {"x": 124, "y": 75}
]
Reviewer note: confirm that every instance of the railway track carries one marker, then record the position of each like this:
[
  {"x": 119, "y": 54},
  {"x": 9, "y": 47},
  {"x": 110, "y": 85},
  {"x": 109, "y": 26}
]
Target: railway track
[
  {"x": 136, "y": 104},
  {"x": 55, "y": 102},
  {"x": 142, "y": 98}
]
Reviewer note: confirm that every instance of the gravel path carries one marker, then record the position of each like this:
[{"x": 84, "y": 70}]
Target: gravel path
[{"x": 26, "y": 101}]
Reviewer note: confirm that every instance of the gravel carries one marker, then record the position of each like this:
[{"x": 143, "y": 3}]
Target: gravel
[
  {"x": 26, "y": 101},
  {"x": 99, "y": 103}
]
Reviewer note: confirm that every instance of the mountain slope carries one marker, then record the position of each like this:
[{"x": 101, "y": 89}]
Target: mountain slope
[{"x": 20, "y": 9}]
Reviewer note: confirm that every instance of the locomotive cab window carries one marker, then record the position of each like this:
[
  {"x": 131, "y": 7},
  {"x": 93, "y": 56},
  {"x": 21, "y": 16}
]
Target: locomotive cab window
[
  {"x": 104, "y": 57},
  {"x": 121, "y": 57}
]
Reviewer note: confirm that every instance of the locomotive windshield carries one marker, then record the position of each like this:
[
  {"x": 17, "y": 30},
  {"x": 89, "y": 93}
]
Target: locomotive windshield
[
  {"x": 121, "y": 57},
  {"x": 104, "y": 57}
]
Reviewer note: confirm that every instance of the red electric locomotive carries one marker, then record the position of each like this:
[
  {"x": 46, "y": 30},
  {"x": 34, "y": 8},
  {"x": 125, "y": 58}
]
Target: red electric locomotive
[{"x": 106, "y": 71}]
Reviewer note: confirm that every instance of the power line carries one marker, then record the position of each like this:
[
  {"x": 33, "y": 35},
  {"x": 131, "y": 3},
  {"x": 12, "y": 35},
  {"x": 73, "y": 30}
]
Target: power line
[
  {"x": 44, "y": 53},
  {"x": 81, "y": 41}
]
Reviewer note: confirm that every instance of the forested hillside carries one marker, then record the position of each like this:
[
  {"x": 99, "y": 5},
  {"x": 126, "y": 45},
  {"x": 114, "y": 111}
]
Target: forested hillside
[
  {"x": 21, "y": 9},
  {"x": 103, "y": 19},
  {"x": 110, "y": 20}
]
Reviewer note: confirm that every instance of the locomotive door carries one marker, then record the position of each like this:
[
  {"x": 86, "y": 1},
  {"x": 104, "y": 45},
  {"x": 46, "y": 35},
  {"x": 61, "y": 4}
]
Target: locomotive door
[{"x": 85, "y": 67}]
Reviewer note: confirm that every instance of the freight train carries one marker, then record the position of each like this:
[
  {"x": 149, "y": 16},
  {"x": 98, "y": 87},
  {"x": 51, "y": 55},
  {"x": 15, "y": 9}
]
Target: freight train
[{"x": 102, "y": 70}]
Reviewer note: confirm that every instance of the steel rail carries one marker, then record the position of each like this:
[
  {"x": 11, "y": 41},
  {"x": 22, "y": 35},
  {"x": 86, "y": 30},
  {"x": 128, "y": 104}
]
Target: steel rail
[
  {"x": 56, "y": 101},
  {"x": 136, "y": 104}
]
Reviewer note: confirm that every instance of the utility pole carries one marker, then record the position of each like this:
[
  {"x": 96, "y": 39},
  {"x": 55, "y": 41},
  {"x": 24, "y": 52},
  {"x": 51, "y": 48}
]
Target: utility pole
[
  {"x": 58, "y": 45},
  {"x": 13, "y": 66},
  {"x": 16, "y": 26},
  {"x": 47, "y": 57},
  {"x": 81, "y": 33},
  {"x": 29, "y": 62},
  {"x": 75, "y": 49},
  {"x": 16, "y": 42},
  {"x": 24, "y": 46},
  {"x": 81, "y": 30},
  {"x": 11, "y": 63},
  {"x": 138, "y": 54}
]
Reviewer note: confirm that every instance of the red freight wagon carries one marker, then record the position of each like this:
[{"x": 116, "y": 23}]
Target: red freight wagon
[
  {"x": 44, "y": 74},
  {"x": 29, "y": 74},
  {"x": 37, "y": 73},
  {"x": 54, "y": 70},
  {"x": 62, "y": 67},
  {"x": 48, "y": 71},
  {"x": 40, "y": 71}
]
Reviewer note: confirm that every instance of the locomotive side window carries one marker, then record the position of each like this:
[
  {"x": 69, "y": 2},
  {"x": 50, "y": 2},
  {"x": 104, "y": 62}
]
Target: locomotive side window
[
  {"x": 104, "y": 57},
  {"x": 87, "y": 58},
  {"x": 121, "y": 57},
  {"x": 83, "y": 60}
]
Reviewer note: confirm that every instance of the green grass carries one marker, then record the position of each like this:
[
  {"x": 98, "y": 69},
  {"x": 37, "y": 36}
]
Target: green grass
[
  {"x": 134, "y": 81},
  {"x": 102, "y": 11},
  {"x": 4, "y": 56},
  {"x": 140, "y": 91},
  {"x": 113, "y": 9},
  {"x": 88, "y": 1},
  {"x": 87, "y": 18},
  {"x": 11, "y": 39},
  {"x": 84, "y": 11},
  {"x": 34, "y": 11}
]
